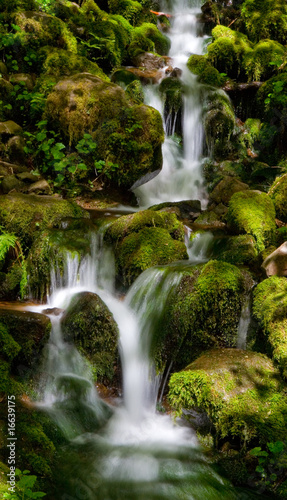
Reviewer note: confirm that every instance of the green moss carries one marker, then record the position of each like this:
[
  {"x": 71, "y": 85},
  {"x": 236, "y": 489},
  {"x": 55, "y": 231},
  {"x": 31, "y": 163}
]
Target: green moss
[
  {"x": 89, "y": 323},
  {"x": 4, "y": 470},
  {"x": 257, "y": 63},
  {"x": 278, "y": 194},
  {"x": 219, "y": 124},
  {"x": 227, "y": 50},
  {"x": 265, "y": 19},
  {"x": 25, "y": 215},
  {"x": 128, "y": 136},
  {"x": 148, "y": 38},
  {"x": 241, "y": 393},
  {"x": 149, "y": 247},
  {"x": 203, "y": 311},
  {"x": 60, "y": 63},
  {"x": 237, "y": 250},
  {"x": 40, "y": 29},
  {"x": 200, "y": 66},
  {"x": 253, "y": 212},
  {"x": 7, "y": 383},
  {"x": 129, "y": 9},
  {"x": 8, "y": 346},
  {"x": 270, "y": 309},
  {"x": 135, "y": 92},
  {"x": 172, "y": 90}
]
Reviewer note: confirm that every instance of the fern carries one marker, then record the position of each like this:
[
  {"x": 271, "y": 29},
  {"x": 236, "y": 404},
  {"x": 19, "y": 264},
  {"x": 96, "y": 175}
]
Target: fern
[{"x": 7, "y": 240}]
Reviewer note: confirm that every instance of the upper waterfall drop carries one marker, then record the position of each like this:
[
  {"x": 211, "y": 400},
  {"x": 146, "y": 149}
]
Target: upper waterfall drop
[{"x": 181, "y": 175}]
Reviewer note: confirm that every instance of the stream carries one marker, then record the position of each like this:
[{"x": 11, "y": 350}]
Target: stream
[{"x": 130, "y": 451}]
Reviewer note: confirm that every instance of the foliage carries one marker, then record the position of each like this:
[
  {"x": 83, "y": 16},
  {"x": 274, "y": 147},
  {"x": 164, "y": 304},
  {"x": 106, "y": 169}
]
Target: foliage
[
  {"x": 265, "y": 19},
  {"x": 25, "y": 485},
  {"x": 272, "y": 464},
  {"x": 200, "y": 66}
]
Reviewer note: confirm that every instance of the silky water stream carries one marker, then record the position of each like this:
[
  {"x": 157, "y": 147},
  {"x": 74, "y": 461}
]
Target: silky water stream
[{"x": 129, "y": 451}]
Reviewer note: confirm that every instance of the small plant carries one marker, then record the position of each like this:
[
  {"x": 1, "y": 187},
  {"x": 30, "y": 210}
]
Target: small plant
[
  {"x": 272, "y": 464},
  {"x": 25, "y": 485}
]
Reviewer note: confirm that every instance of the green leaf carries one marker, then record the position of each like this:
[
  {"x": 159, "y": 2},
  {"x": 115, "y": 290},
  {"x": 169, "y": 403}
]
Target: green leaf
[
  {"x": 72, "y": 169},
  {"x": 259, "y": 468}
]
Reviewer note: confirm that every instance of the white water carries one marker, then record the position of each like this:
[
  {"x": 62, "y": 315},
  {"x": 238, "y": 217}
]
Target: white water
[
  {"x": 244, "y": 323},
  {"x": 181, "y": 176}
]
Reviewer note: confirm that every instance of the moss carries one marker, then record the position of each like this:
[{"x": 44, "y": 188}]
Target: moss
[
  {"x": 227, "y": 50},
  {"x": 148, "y": 38},
  {"x": 8, "y": 346},
  {"x": 135, "y": 92},
  {"x": 219, "y": 124},
  {"x": 128, "y": 136},
  {"x": 278, "y": 194},
  {"x": 25, "y": 215},
  {"x": 270, "y": 309},
  {"x": 237, "y": 250},
  {"x": 253, "y": 212},
  {"x": 129, "y": 9},
  {"x": 241, "y": 393},
  {"x": 202, "y": 312},
  {"x": 89, "y": 323},
  {"x": 265, "y": 19},
  {"x": 172, "y": 90},
  {"x": 149, "y": 247},
  {"x": 134, "y": 223},
  {"x": 200, "y": 66},
  {"x": 60, "y": 63},
  {"x": 40, "y": 29},
  {"x": 257, "y": 63}
]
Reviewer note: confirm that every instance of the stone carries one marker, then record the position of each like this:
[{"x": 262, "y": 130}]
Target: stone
[
  {"x": 10, "y": 183},
  {"x": 24, "y": 79},
  {"x": 15, "y": 149},
  {"x": 149, "y": 61},
  {"x": 9, "y": 128},
  {"x": 276, "y": 263},
  {"x": 40, "y": 187},
  {"x": 224, "y": 190}
]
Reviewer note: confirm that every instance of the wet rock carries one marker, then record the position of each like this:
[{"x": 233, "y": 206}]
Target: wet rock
[
  {"x": 143, "y": 240},
  {"x": 225, "y": 189},
  {"x": 15, "y": 149},
  {"x": 26, "y": 80},
  {"x": 27, "y": 177},
  {"x": 276, "y": 263},
  {"x": 55, "y": 311},
  {"x": 91, "y": 326},
  {"x": 31, "y": 331},
  {"x": 149, "y": 61},
  {"x": 278, "y": 194},
  {"x": 253, "y": 212},
  {"x": 40, "y": 187},
  {"x": 9, "y": 128},
  {"x": 189, "y": 209},
  {"x": 241, "y": 392}
]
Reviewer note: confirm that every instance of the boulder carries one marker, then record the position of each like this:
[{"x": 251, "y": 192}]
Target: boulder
[
  {"x": 241, "y": 392},
  {"x": 128, "y": 136},
  {"x": 9, "y": 128},
  {"x": 143, "y": 240},
  {"x": 26, "y": 215},
  {"x": 24, "y": 79},
  {"x": 269, "y": 308},
  {"x": 90, "y": 325},
  {"x": 278, "y": 194},
  {"x": 253, "y": 212},
  {"x": 224, "y": 190},
  {"x": 40, "y": 187},
  {"x": 15, "y": 149},
  {"x": 276, "y": 263},
  {"x": 149, "y": 61}
]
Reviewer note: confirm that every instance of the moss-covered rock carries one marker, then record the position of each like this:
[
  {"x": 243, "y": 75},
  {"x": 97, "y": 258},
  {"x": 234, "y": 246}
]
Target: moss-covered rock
[
  {"x": 128, "y": 136},
  {"x": 237, "y": 250},
  {"x": 200, "y": 66},
  {"x": 226, "y": 188},
  {"x": 134, "y": 92},
  {"x": 278, "y": 194},
  {"x": 148, "y": 38},
  {"x": 89, "y": 323},
  {"x": 60, "y": 63},
  {"x": 240, "y": 391},
  {"x": 202, "y": 311},
  {"x": 143, "y": 240},
  {"x": 257, "y": 62},
  {"x": 25, "y": 215},
  {"x": 265, "y": 19},
  {"x": 227, "y": 50},
  {"x": 253, "y": 212},
  {"x": 270, "y": 308},
  {"x": 219, "y": 124},
  {"x": 171, "y": 89},
  {"x": 39, "y": 29}
]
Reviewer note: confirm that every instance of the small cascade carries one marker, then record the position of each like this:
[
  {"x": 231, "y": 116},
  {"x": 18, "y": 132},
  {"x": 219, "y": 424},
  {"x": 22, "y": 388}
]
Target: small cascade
[
  {"x": 244, "y": 323},
  {"x": 181, "y": 176},
  {"x": 198, "y": 248}
]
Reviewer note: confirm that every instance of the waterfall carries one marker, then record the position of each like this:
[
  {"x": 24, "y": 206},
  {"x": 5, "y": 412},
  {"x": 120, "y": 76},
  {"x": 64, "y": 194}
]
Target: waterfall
[
  {"x": 244, "y": 323},
  {"x": 181, "y": 176}
]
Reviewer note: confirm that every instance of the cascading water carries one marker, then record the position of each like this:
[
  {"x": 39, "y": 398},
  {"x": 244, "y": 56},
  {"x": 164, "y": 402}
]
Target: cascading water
[
  {"x": 130, "y": 451},
  {"x": 181, "y": 176}
]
